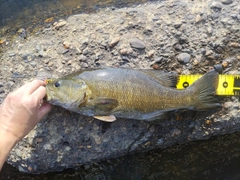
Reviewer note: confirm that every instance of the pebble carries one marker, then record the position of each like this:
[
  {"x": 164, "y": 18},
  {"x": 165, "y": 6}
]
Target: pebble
[
  {"x": 226, "y": 1},
  {"x": 39, "y": 140},
  {"x": 22, "y": 33},
  {"x": 82, "y": 58},
  {"x": 85, "y": 51},
  {"x": 195, "y": 62},
  {"x": 65, "y": 51},
  {"x": 225, "y": 64},
  {"x": 175, "y": 132},
  {"x": 228, "y": 104},
  {"x": 234, "y": 44},
  {"x": 18, "y": 152},
  {"x": 114, "y": 42},
  {"x": 3, "y": 41},
  {"x": 184, "y": 58},
  {"x": 208, "y": 52},
  {"x": 48, "y": 20},
  {"x": 150, "y": 53},
  {"x": 66, "y": 45},
  {"x": 125, "y": 51},
  {"x": 48, "y": 147},
  {"x": 198, "y": 18},
  {"x": 178, "y": 47},
  {"x": 210, "y": 30},
  {"x": 137, "y": 43},
  {"x": 59, "y": 24},
  {"x": 216, "y": 5},
  {"x": 11, "y": 54}
]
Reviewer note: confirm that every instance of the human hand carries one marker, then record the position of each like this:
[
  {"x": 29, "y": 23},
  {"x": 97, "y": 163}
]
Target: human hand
[
  {"x": 23, "y": 109},
  {"x": 19, "y": 113}
]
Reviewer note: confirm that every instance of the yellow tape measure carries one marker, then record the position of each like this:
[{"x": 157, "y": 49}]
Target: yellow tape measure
[{"x": 228, "y": 85}]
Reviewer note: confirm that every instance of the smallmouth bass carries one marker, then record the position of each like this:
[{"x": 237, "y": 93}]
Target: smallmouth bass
[{"x": 107, "y": 93}]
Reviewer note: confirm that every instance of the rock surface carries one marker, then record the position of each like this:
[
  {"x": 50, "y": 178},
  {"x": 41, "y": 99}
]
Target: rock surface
[{"x": 166, "y": 29}]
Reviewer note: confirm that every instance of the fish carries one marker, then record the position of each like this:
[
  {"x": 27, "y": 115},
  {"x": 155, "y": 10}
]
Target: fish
[{"x": 143, "y": 94}]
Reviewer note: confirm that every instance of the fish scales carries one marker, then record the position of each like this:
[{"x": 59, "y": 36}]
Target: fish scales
[
  {"x": 133, "y": 89},
  {"x": 128, "y": 93}
]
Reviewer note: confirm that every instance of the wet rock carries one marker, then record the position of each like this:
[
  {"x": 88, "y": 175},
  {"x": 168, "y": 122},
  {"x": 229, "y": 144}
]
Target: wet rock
[
  {"x": 226, "y": 1},
  {"x": 184, "y": 58},
  {"x": 137, "y": 43}
]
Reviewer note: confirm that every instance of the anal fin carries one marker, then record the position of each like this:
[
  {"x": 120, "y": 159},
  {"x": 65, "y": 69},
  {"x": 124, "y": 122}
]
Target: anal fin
[{"x": 109, "y": 118}]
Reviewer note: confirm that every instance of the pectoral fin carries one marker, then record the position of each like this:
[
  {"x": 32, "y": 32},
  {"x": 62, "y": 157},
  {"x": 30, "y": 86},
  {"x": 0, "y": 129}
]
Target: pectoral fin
[
  {"x": 104, "y": 104},
  {"x": 110, "y": 118}
]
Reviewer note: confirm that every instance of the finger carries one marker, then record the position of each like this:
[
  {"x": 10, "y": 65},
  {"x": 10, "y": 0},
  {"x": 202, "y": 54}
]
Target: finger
[
  {"x": 43, "y": 110},
  {"x": 22, "y": 89},
  {"x": 34, "y": 85},
  {"x": 39, "y": 93}
]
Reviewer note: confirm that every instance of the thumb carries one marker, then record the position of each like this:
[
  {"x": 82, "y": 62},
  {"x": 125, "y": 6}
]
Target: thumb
[{"x": 43, "y": 110}]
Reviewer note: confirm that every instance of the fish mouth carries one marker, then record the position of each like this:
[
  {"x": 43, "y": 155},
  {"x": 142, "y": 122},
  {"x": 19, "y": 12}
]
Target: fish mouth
[{"x": 48, "y": 96}]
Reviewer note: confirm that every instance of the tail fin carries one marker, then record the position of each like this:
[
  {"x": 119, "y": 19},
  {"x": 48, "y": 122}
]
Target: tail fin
[{"x": 205, "y": 89}]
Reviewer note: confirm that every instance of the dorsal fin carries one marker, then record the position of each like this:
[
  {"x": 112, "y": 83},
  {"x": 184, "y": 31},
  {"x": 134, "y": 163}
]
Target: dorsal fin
[{"x": 164, "y": 78}]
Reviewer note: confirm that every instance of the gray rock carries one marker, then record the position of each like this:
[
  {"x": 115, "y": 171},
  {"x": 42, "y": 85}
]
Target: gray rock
[
  {"x": 11, "y": 54},
  {"x": 85, "y": 51},
  {"x": 226, "y": 1},
  {"x": 83, "y": 58},
  {"x": 2, "y": 90},
  {"x": 184, "y": 58},
  {"x": 137, "y": 43},
  {"x": 216, "y": 5}
]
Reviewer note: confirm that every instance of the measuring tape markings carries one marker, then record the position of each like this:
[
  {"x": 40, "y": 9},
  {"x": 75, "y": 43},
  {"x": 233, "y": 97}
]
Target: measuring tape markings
[{"x": 228, "y": 85}]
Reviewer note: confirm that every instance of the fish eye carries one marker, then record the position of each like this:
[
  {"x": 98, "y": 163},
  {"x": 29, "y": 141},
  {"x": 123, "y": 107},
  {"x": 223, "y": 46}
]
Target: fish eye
[{"x": 57, "y": 84}]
